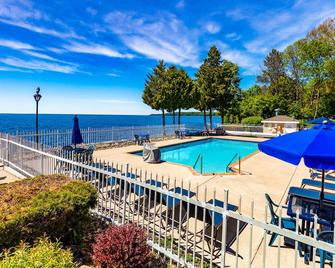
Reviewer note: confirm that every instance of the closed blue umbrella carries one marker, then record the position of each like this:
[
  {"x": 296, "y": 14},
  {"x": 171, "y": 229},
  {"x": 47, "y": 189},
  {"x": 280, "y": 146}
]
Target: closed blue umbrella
[
  {"x": 316, "y": 146},
  {"x": 320, "y": 120},
  {"x": 76, "y": 135}
]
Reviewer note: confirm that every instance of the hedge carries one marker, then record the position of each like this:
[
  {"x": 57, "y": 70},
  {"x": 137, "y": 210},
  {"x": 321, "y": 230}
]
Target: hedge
[
  {"x": 252, "y": 120},
  {"x": 47, "y": 205},
  {"x": 43, "y": 254}
]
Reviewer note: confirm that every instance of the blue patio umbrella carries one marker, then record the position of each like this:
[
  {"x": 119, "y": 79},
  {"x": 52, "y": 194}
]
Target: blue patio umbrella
[
  {"x": 316, "y": 146},
  {"x": 320, "y": 120},
  {"x": 76, "y": 135}
]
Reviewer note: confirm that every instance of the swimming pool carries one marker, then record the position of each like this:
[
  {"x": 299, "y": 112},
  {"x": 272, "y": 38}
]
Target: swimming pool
[{"x": 216, "y": 153}]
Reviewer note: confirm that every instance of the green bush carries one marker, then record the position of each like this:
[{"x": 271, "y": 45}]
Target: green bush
[
  {"x": 252, "y": 120},
  {"x": 59, "y": 209},
  {"x": 44, "y": 254}
]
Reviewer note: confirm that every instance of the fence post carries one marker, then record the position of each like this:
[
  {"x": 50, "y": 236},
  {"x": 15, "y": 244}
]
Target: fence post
[
  {"x": 57, "y": 138},
  {"x": 42, "y": 159},
  {"x": 21, "y": 152},
  {"x": 126, "y": 172},
  {"x": 224, "y": 229},
  {"x": 88, "y": 135},
  {"x": 72, "y": 165},
  {"x": 112, "y": 134},
  {"x": 7, "y": 148}
]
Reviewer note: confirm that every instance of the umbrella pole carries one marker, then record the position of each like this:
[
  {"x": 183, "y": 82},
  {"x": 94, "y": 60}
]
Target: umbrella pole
[{"x": 322, "y": 194}]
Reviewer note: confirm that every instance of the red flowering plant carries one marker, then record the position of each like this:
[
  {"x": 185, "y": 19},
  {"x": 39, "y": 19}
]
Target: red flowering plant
[{"x": 122, "y": 246}]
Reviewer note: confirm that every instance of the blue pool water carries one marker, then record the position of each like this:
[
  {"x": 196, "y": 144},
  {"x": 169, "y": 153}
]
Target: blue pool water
[{"x": 216, "y": 153}]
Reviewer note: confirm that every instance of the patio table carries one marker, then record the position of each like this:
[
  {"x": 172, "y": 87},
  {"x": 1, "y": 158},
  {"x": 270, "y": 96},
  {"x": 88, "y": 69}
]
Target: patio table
[
  {"x": 318, "y": 184},
  {"x": 307, "y": 201}
]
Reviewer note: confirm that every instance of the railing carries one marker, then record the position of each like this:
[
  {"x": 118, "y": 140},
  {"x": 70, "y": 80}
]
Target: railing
[
  {"x": 201, "y": 163},
  {"x": 60, "y": 138},
  {"x": 243, "y": 128},
  {"x": 237, "y": 157},
  {"x": 182, "y": 225}
]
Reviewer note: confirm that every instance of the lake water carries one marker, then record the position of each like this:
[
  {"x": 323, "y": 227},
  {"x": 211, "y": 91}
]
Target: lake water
[{"x": 14, "y": 122}]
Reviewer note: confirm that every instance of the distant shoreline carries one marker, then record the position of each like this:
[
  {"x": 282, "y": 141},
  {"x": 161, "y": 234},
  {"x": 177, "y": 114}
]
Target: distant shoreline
[
  {"x": 186, "y": 114},
  {"x": 71, "y": 114},
  {"x": 10, "y": 123}
]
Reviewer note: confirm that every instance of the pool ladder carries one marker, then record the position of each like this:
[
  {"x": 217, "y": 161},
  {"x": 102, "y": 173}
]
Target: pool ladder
[
  {"x": 196, "y": 162},
  {"x": 237, "y": 155}
]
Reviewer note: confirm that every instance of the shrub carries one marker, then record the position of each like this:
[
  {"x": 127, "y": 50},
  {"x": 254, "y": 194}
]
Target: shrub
[
  {"x": 122, "y": 246},
  {"x": 51, "y": 205},
  {"x": 252, "y": 120},
  {"x": 44, "y": 254}
]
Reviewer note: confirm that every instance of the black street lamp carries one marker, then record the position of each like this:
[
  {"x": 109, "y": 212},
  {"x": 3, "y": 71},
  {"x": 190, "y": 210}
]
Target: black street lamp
[{"x": 37, "y": 98}]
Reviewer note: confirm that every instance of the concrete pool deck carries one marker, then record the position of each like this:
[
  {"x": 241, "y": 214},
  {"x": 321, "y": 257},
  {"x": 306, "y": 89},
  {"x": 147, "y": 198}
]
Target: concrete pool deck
[
  {"x": 8, "y": 175},
  {"x": 264, "y": 174}
]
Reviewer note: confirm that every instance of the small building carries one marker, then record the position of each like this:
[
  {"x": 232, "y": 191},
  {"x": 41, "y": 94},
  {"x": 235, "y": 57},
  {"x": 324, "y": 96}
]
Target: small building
[{"x": 280, "y": 124}]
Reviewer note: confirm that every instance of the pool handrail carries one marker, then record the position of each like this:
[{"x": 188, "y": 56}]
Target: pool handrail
[
  {"x": 196, "y": 162},
  {"x": 232, "y": 160}
]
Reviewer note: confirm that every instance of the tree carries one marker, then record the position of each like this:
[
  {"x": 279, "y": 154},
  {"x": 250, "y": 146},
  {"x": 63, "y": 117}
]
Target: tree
[
  {"x": 185, "y": 97},
  {"x": 153, "y": 94},
  {"x": 299, "y": 81},
  {"x": 262, "y": 105},
  {"x": 207, "y": 85},
  {"x": 325, "y": 31},
  {"x": 227, "y": 88},
  {"x": 178, "y": 89},
  {"x": 316, "y": 58},
  {"x": 273, "y": 76},
  {"x": 293, "y": 70}
]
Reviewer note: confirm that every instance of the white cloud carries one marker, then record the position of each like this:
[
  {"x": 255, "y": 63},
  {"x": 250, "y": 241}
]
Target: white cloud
[
  {"x": 212, "y": 27},
  {"x": 113, "y": 74},
  {"x": 11, "y": 69},
  {"x": 91, "y": 11},
  {"x": 19, "y": 10},
  {"x": 278, "y": 28},
  {"x": 275, "y": 28},
  {"x": 180, "y": 4},
  {"x": 27, "y": 49},
  {"x": 41, "y": 30},
  {"x": 159, "y": 36},
  {"x": 233, "y": 36},
  {"x": 41, "y": 56},
  {"x": 97, "y": 50},
  {"x": 236, "y": 14},
  {"x": 56, "y": 50},
  {"x": 21, "y": 13},
  {"x": 15, "y": 44},
  {"x": 38, "y": 65},
  {"x": 248, "y": 62}
]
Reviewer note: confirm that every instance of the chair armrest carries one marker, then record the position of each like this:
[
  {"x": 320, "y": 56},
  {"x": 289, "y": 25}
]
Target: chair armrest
[{"x": 276, "y": 205}]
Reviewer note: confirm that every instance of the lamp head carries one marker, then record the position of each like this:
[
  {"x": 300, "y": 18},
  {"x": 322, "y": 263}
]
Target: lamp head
[{"x": 37, "y": 95}]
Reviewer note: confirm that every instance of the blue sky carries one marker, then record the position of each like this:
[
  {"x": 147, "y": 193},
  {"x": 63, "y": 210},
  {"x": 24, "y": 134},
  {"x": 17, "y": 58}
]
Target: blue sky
[{"x": 93, "y": 56}]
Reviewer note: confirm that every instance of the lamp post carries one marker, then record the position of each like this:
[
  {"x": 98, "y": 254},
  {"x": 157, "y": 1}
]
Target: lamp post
[{"x": 37, "y": 98}]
